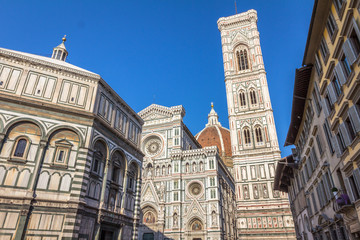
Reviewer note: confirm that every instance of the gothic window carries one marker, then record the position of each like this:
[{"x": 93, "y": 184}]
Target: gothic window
[
  {"x": 238, "y": 60},
  {"x": 258, "y": 133},
  {"x": 246, "y": 60},
  {"x": 247, "y": 136},
  {"x": 242, "y": 59},
  {"x": 20, "y": 148},
  {"x": 253, "y": 97},
  {"x": 169, "y": 170},
  {"x": 211, "y": 164},
  {"x": 242, "y": 99}
]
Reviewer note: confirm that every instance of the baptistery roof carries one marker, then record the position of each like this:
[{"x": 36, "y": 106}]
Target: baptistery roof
[{"x": 215, "y": 135}]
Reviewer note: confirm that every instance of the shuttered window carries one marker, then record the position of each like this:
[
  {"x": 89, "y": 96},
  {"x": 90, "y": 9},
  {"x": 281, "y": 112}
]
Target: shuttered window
[
  {"x": 331, "y": 26},
  {"x": 336, "y": 85},
  {"x": 319, "y": 144},
  {"x": 309, "y": 206},
  {"x": 351, "y": 46},
  {"x": 318, "y": 66},
  {"x": 328, "y": 137},
  {"x": 354, "y": 186},
  {"x": 341, "y": 142},
  {"x": 354, "y": 117},
  {"x": 356, "y": 176},
  {"x": 324, "y": 50},
  {"x": 314, "y": 202},
  {"x": 338, "y": 5},
  {"x": 350, "y": 128}
]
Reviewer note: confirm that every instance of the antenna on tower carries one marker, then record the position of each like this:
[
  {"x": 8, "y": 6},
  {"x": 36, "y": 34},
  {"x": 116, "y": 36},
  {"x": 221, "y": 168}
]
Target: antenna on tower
[{"x": 235, "y": 7}]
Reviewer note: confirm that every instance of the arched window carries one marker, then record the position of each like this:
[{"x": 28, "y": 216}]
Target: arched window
[
  {"x": 242, "y": 59},
  {"x": 242, "y": 98},
  {"x": 246, "y": 60},
  {"x": 253, "y": 96},
  {"x": 163, "y": 170},
  {"x": 169, "y": 169},
  {"x": 258, "y": 133},
  {"x": 20, "y": 148},
  {"x": 238, "y": 60},
  {"x": 247, "y": 136}
]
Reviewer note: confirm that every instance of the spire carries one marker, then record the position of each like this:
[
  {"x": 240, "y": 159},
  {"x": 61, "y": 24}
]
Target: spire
[
  {"x": 213, "y": 118},
  {"x": 60, "y": 52}
]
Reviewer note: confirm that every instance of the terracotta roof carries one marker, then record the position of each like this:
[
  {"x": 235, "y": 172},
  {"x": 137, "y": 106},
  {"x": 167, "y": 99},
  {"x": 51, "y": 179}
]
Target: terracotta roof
[{"x": 216, "y": 136}]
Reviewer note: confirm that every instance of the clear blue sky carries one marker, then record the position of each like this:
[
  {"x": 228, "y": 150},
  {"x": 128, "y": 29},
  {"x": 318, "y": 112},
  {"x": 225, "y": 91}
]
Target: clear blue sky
[{"x": 163, "y": 51}]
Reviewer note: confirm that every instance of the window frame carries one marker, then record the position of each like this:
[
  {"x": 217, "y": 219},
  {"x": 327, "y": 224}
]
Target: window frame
[{"x": 23, "y": 158}]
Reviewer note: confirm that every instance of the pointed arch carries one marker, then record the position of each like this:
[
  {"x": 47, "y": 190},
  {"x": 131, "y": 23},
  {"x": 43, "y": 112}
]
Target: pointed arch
[
  {"x": 242, "y": 98},
  {"x": 253, "y": 97},
  {"x": 242, "y": 57},
  {"x": 247, "y": 135},
  {"x": 259, "y": 134}
]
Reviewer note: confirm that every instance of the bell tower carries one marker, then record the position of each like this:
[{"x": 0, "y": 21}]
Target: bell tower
[{"x": 261, "y": 212}]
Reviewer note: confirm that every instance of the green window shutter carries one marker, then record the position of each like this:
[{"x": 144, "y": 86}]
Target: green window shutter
[
  {"x": 357, "y": 179},
  {"x": 349, "y": 51},
  {"x": 345, "y": 134},
  {"x": 331, "y": 92},
  {"x": 348, "y": 189},
  {"x": 340, "y": 73},
  {"x": 355, "y": 118}
]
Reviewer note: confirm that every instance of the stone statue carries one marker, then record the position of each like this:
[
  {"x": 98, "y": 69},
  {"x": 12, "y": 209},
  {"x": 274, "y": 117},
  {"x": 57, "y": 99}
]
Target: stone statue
[
  {"x": 265, "y": 192},
  {"x": 213, "y": 219},
  {"x": 253, "y": 174},
  {"x": 246, "y": 193},
  {"x": 262, "y": 171},
  {"x": 175, "y": 220},
  {"x": 243, "y": 173},
  {"x": 256, "y": 192}
]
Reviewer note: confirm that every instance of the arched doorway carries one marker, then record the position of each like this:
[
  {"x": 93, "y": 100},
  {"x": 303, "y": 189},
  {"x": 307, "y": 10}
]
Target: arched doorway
[{"x": 196, "y": 230}]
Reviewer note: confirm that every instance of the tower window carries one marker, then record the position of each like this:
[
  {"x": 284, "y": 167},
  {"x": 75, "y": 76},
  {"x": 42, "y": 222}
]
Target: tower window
[
  {"x": 242, "y": 99},
  {"x": 20, "y": 148},
  {"x": 258, "y": 133},
  {"x": 242, "y": 60},
  {"x": 253, "y": 97},
  {"x": 247, "y": 136}
]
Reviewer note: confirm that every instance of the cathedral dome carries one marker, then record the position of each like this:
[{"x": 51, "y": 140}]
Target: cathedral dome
[{"x": 215, "y": 135}]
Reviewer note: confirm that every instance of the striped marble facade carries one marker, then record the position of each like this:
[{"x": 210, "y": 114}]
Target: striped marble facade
[{"x": 70, "y": 162}]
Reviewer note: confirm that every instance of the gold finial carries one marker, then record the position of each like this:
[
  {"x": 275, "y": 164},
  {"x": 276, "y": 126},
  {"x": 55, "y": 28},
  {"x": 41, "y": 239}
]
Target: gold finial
[
  {"x": 212, "y": 105},
  {"x": 64, "y": 38}
]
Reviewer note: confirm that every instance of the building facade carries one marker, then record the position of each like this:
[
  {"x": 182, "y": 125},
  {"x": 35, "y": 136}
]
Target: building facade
[
  {"x": 70, "y": 158},
  {"x": 323, "y": 175},
  {"x": 187, "y": 191},
  {"x": 261, "y": 212}
]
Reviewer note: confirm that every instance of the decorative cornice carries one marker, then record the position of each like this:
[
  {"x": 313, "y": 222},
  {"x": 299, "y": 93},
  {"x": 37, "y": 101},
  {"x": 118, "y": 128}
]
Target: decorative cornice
[
  {"x": 48, "y": 64},
  {"x": 167, "y": 111},
  {"x": 206, "y": 151},
  {"x": 238, "y": 19}
]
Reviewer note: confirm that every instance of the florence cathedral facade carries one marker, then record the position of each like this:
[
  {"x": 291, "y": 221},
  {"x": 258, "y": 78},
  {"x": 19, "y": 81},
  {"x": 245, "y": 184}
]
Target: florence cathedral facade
[{"x": 175, "y": 163}]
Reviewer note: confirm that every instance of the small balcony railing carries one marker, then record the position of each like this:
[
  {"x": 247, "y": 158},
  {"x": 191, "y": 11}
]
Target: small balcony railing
[{"x": 342, "y": 202}]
